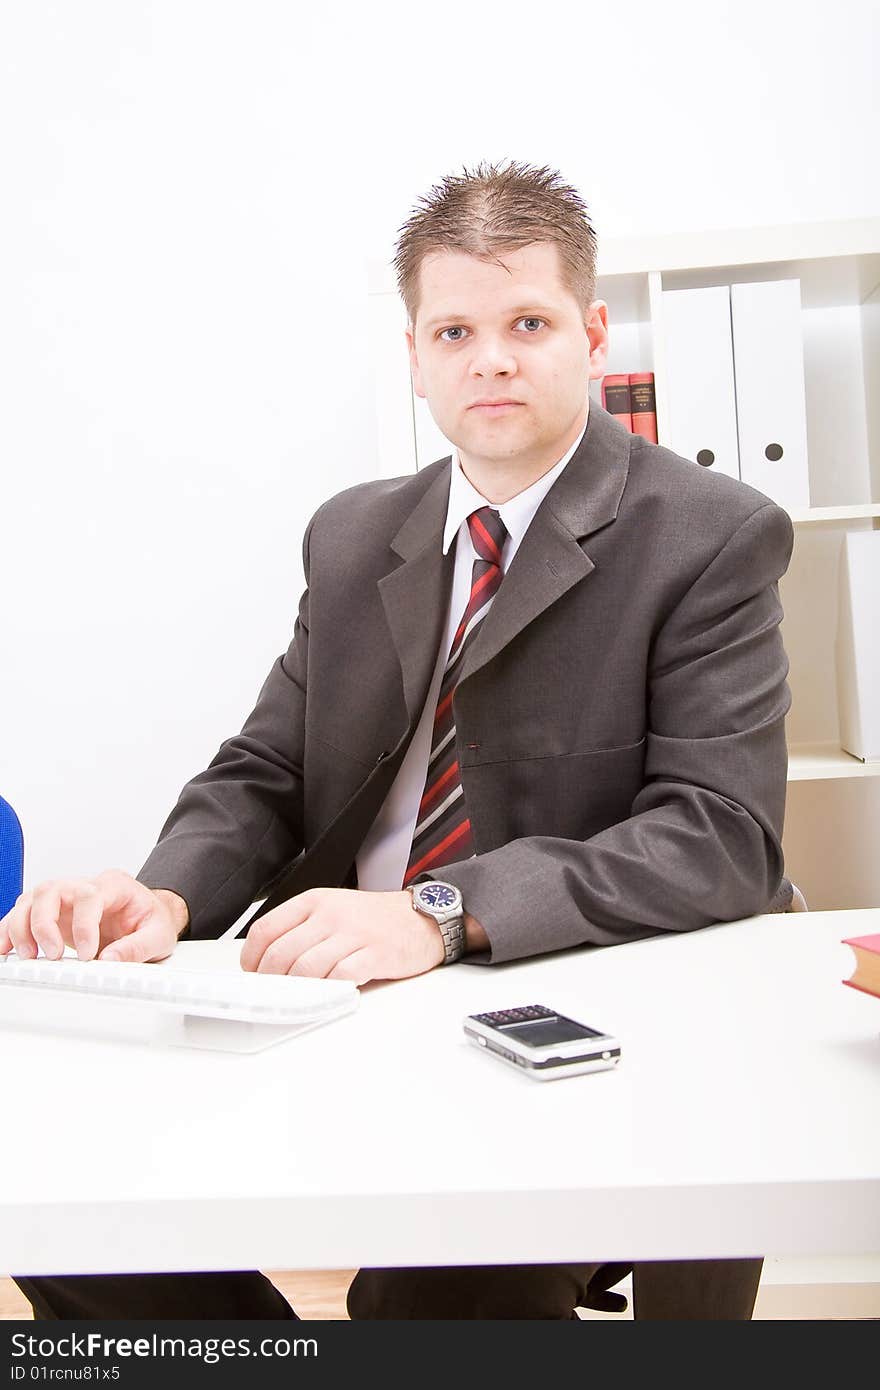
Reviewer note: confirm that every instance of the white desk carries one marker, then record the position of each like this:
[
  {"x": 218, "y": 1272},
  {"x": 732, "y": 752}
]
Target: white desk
[{"x": 744, "y": 1120}]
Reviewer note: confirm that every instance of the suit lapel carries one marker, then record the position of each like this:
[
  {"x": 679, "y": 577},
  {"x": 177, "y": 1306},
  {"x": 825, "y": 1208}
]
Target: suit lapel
[
  {"x": 551, "y": 558},
  {"x": 415, "y": 596}
]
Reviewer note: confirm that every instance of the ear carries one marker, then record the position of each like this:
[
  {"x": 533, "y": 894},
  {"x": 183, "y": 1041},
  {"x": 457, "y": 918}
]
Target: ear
[
  {"x": 414, "y": 368},
  {"x": 596, "y": 324}
]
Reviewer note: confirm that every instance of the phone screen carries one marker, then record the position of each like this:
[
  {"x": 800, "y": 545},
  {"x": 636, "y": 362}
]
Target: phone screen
[{"x": 541, "y": 1032}]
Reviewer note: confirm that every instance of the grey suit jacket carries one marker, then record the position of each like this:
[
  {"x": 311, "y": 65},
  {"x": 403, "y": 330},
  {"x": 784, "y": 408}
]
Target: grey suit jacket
[{"x": 620, "y": 717}]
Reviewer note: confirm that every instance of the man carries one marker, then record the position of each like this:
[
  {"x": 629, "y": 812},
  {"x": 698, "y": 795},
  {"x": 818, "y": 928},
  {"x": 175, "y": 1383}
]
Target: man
[{"x": 545, "y": 673}]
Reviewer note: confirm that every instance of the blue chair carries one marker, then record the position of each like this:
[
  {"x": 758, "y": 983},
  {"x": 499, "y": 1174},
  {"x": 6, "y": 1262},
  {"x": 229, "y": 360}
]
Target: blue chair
[{"x": 11, "y": 857}]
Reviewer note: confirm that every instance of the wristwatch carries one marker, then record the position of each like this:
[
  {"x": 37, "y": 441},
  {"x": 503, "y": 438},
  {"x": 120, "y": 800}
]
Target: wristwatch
[{"x": 443, "y": 902}]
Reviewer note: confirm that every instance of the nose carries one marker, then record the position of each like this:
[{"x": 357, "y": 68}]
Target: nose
[{"x": 492, "y": 357}]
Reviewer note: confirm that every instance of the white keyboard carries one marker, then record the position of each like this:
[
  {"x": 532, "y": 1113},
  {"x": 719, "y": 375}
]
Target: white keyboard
[{"x": 245, "y": 997}]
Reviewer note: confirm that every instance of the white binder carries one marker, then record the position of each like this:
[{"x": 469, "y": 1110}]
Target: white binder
[
  {"x": 768, "y": 355},
  {"x": 699, "y": 377},
  {"x": 858, "y": 645}
]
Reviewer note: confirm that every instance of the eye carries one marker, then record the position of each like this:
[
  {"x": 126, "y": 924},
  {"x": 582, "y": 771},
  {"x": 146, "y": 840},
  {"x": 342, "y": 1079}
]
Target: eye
[{"x": 458, "y": 328}]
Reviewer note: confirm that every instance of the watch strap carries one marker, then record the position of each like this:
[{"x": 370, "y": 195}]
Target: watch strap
[
  {"x": 449, "y": 921},
  {"x": 453, "y": 938}
]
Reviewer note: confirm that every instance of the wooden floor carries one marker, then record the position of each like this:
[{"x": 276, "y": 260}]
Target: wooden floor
[
  {"x": 313, "y": 1293},
  {"x": 320, "y": 1294}
]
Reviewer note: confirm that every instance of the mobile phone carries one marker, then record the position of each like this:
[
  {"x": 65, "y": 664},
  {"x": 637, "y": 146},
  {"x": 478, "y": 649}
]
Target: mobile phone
[{"x": 543, "y": 1043}]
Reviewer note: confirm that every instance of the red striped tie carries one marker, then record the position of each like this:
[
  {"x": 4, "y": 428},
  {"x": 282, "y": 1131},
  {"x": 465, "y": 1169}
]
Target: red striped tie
[{"x": 442, "y": 832}]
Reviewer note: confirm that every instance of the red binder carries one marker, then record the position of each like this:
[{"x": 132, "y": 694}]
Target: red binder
[
  {"x": 643, "y": 405},
  {"x": 616, "y": 398}
]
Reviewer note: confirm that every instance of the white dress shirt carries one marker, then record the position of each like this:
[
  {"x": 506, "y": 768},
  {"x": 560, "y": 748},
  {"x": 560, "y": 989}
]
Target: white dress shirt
[{"x": 384, "y": 855}]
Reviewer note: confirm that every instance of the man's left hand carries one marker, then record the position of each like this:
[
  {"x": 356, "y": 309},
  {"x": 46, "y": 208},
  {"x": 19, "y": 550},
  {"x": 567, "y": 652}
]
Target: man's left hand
[{"x": 344, "y": 934}]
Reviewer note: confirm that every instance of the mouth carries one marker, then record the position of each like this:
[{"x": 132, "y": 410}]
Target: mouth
[{"x": 496, "y": 407}]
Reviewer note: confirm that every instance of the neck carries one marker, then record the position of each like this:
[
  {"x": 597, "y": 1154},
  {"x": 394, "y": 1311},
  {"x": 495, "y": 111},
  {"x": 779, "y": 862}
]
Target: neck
[{"x": 500, "y": 479}]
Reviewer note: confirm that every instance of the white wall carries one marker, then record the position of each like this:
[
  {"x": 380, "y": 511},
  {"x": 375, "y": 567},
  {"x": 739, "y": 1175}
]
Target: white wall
[{"x": 191, "y": 193}]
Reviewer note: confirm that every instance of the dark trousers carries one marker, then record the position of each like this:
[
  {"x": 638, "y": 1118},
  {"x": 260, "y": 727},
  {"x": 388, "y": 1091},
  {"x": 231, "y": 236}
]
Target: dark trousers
[{"x": 665, "y": 1289}]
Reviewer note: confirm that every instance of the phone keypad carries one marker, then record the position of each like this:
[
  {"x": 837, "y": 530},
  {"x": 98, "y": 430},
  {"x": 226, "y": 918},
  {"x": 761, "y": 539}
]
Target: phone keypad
[{"x": 526, "y": 1014}]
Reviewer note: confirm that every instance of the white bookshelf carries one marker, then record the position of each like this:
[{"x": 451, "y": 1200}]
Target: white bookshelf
[
  {"x": 811, "y": 762},
  {"x": 832, "y": 827},
  {"x": 835, "y": 514}
]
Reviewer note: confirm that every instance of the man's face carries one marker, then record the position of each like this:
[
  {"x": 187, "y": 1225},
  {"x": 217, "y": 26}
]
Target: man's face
[{"x": 488, "y": 333}]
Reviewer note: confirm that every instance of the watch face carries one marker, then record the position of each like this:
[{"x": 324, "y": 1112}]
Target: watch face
[{"x": 437, "y": 895}]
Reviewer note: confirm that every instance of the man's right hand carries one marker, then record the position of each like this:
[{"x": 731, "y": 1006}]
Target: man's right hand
[{"x": 111, "y": 917}]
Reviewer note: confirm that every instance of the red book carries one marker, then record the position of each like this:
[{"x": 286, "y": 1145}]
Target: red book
[
  {"x": 643, "y": 406},
  {"x": 616, "y": 398},
  {"x": 866, "y": 975}
]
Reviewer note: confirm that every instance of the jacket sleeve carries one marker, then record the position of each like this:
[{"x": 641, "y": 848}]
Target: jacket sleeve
[
  {"x": 238, "y": 824},
  {"x": 702, "y": 842}
]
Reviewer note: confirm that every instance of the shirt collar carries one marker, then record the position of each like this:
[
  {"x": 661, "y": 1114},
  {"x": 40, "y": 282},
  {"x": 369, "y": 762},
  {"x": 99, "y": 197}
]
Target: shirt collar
[{"x": 517, "y": 513}]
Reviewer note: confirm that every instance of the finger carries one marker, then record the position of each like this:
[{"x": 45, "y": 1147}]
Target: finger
[
  {"x": 88, "y": 909},
  {"x": 45, "y": 912},
  {"x": 359, "y": 967},
  {"x": 281, "y": 955},
  {"x": 274, "y": 924},
  {"x": 318, "y": 961},
  {"x": 16, "y": 928}
]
